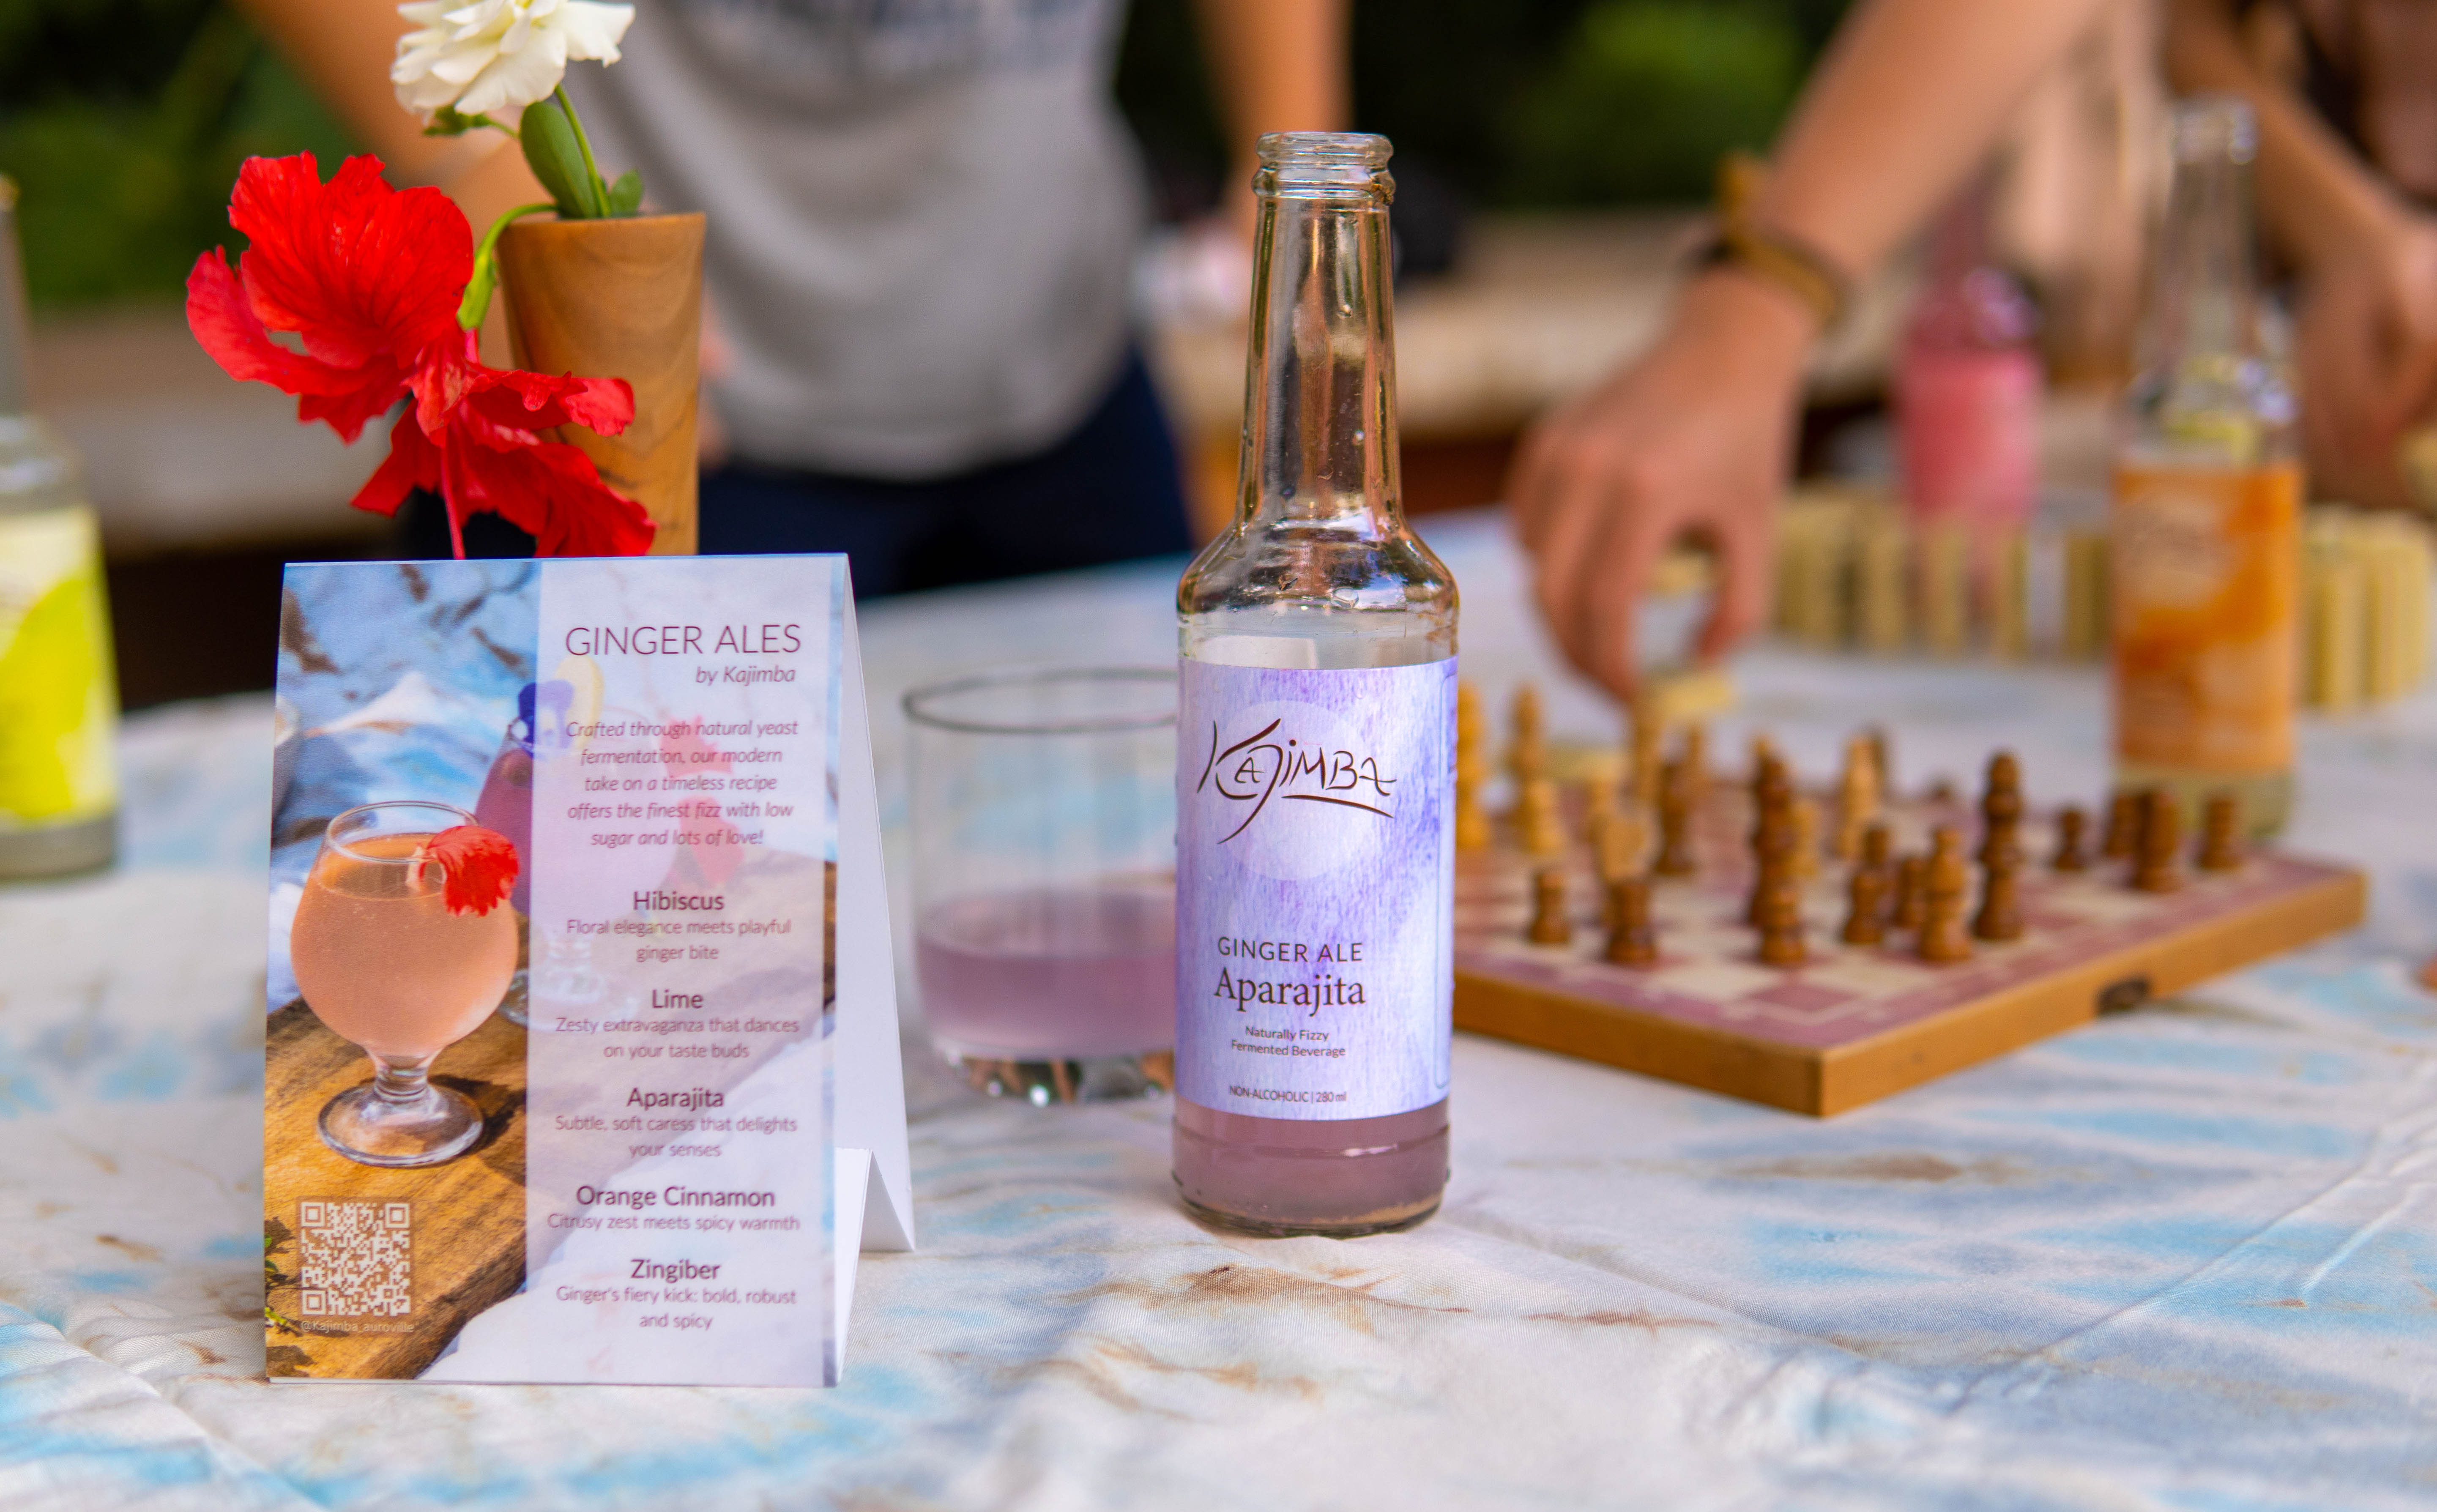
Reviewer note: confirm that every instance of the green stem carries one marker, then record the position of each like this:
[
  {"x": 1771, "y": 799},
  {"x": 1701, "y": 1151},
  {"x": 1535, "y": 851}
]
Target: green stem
[
  {"x": 486, "y": 278},
  {"x": 584, "y": 143}
]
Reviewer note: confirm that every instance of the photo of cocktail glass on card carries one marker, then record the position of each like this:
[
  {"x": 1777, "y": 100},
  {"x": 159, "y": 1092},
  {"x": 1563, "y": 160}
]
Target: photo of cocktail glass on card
[{"x": 402, "y": 945}]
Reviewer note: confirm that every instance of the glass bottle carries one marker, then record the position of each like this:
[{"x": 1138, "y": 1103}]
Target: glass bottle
[
  {"x": 506, "y": 805},
  {"x": 59, "y": 690},
  {"x": 2206, "y": 530},
  {"x": 1316, "y": 753},
  {"x": 1967, "y": 384}
]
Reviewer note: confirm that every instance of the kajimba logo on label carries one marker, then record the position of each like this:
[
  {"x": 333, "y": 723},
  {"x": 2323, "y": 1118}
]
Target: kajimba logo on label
[{"x": 1298, "y": 792}]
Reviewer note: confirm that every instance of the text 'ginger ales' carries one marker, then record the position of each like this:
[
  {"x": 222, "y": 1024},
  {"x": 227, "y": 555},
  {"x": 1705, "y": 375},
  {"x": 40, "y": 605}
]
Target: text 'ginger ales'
[
  {"x": 2205, "y": 554},
  {"x": 1316, "y": 752}
]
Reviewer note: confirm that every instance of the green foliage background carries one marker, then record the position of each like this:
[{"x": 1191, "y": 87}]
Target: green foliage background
[{"x": 124, "y": 121}]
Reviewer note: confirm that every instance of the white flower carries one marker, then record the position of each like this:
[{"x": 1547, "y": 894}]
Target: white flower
[{"x": 499, "y": 55}]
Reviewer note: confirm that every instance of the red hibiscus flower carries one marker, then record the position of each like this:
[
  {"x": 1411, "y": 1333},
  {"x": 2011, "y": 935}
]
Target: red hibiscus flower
[
  {"x": 472, "y": 437},
  {"x": 477, "y": 868},
  {"x": 369, "y": 279}
]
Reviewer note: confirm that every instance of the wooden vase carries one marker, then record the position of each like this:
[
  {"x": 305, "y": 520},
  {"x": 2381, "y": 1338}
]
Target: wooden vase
[{"x": 620, "y": 298}]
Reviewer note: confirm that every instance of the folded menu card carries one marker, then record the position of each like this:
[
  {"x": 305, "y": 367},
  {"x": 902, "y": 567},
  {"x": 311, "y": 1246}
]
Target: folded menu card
[{"x": 582, "y": 1054}]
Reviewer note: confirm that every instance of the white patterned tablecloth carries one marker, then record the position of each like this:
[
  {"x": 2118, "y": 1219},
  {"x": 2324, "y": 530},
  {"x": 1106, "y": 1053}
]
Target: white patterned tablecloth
[{"x": 2180, "y": 1259}]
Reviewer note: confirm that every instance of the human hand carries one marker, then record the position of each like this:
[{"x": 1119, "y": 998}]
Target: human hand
[
  {"x": 1691, "y": 439},
  {"x": 2366, "y": 350}
]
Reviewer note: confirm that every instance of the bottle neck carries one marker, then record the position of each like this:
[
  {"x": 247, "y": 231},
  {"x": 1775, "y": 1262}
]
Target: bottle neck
[
  {"x": 2210, "y": 392},
  {"x": 14, "y": 400},
  {"x": 1319, "y": 403},
  {"x": 2206, "y": 302}
]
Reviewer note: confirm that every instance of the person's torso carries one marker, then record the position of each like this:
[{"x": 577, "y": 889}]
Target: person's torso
[{"x": 922, "y": 214}]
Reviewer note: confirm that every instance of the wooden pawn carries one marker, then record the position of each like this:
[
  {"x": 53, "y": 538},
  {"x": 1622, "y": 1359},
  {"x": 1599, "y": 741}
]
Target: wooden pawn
[
  {"x": 2159, "y": 844},
  {"x": 2071, "y": 825},
  {"x": 1943, "y": 938},
  {"x": 1866, "y": 898},
  {"x": 1550, "y": 926},
  {"x": 2123, "y": 825},
  {"x": 1631, "y": 939},
  {"x": 2220, "y": 842},
  {"x": 1675, "y": 856}
]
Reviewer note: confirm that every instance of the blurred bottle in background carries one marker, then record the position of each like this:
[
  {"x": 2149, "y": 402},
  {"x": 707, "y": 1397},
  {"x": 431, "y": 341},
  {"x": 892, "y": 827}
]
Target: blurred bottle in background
[
  {"x": 1968, "y": 385},
  {"x": 59, "y": 693},
  {"x": 2205, "y": 553}
]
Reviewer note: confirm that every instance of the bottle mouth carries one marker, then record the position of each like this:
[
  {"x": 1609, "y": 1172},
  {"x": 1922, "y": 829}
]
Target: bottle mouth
[
  {"x": 1325, "y": 165},
  {"x": 2217, "y": 127}
]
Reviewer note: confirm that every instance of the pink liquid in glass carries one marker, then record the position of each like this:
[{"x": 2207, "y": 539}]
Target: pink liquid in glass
[
  {"x": 382, "y": 962},
  {"x": 1050, "y": 974}
]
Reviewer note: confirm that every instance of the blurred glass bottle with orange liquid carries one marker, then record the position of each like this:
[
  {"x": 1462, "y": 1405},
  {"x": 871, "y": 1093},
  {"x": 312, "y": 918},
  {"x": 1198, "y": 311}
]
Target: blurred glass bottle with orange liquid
[
  {"x": 2205, "y": 551},
  {"x": 59, "y": 689}
]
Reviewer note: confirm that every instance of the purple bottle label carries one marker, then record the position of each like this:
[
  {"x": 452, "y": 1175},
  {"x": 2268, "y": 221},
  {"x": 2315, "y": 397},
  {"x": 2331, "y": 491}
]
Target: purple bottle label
[{"x": 1315, "y": 869}]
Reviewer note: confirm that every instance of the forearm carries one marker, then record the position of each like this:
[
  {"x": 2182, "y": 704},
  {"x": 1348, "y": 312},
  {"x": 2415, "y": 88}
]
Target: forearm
[
  {"x": 344, "y": 49},
  {"x": 2316, "y": 198},
  {"x": 1277, "y": 65},
  {"x": 1910, "y": 97}
]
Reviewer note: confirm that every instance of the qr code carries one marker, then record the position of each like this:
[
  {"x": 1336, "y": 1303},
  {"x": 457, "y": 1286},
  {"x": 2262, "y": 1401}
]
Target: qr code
[{"x": 353, "y": 1259}]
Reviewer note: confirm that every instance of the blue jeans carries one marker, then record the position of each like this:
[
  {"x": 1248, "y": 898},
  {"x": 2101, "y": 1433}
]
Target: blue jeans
[{"x": 1109, "y": 492}]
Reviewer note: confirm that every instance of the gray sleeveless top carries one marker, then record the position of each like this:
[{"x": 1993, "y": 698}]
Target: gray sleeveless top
[{"x": 921, "y": 215}]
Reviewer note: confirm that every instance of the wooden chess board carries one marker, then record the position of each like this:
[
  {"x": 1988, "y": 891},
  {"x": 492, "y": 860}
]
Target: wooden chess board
[{"x": 1856, "y": 1023}]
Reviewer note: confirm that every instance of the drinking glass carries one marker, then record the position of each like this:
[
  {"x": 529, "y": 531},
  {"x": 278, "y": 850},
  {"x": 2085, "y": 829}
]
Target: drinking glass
[
  {"x": 1043, "y": 805},
  {"x": 384, "y": 964}
]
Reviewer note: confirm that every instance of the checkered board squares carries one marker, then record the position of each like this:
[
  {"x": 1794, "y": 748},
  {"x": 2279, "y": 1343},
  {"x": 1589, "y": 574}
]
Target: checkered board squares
[{"x": 2084, "y": 933}]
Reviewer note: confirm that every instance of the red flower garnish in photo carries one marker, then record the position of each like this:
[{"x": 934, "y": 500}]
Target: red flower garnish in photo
[
  {"x": 477, "y": 868},
  {"x": 369, "y": 279}
]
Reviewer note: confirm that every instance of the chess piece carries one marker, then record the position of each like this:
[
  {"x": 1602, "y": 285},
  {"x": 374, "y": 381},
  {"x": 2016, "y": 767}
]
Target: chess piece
[
  {"x": 2158, "y": 844},
  {"x": 1537, "y": 822},
  {"x": 1911, "y": 904},
  {"x": 1881, "y": 758},
  {"x": 1878, "y": 843},
  {"x": 2001, "y": 807},
  {"x": 1763, "y": 755},
  {"x": 1774, "y": 837},
  {"x": 1647, "y": 733},
  {"x": 1805, "y": 856},
  {"x": 1472, "y": 827},
  {"x": 1676, "y": 858},
  {"x": 1550, "y": 926},
  {"x": 2123, "y": 825},
  {"x": 1941, "y": 791},
  {"x": 1866, "y": 897},
  {"x": 2220, "y": 847},
  {"x": 1999, "y": 917},
  {"x": 1697, "y": 763},
  {"x": 1631, "y": 939},
  {"x": 1781, "y": 921},
  {"x": 2071, "y": 822},
  {"x": 1943, "y": 939},
  {"x": 1599, "y": 800},
  {"x": 1857, "y": 798},
  {"x": 1528, "y": 757},
  {"x": 1618, "y": 839}
]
